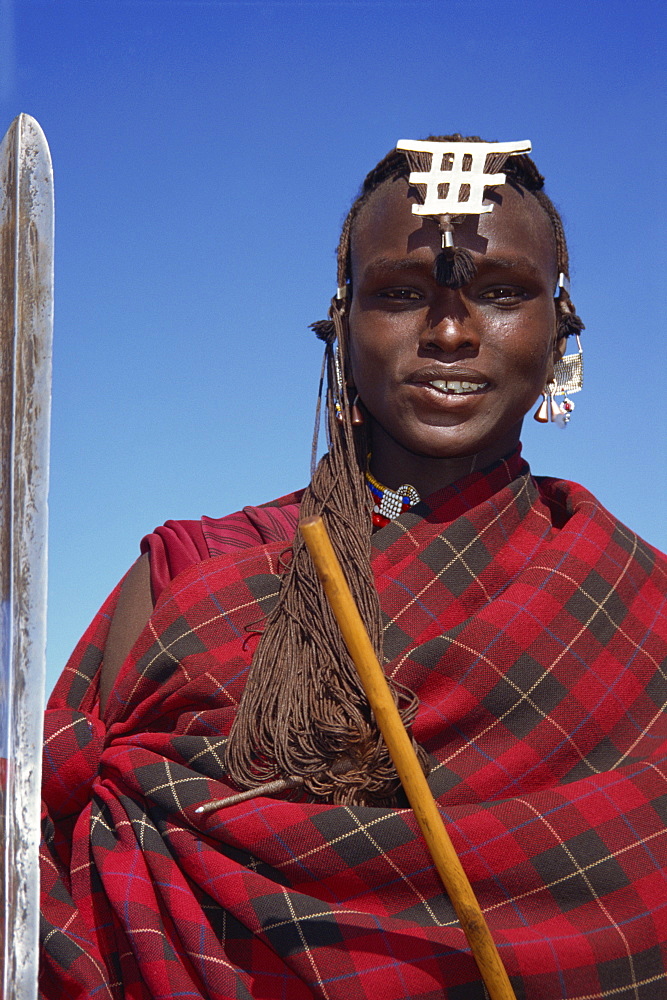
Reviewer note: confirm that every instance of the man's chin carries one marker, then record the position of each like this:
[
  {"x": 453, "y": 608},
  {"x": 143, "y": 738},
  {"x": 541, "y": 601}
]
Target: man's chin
[{"x": 459, "y": 443}]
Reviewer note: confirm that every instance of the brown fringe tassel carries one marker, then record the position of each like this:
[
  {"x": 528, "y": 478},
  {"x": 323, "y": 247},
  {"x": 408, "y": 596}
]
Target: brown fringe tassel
[
  {"x": 454, "y": 267},
  {"x": 569, "y": 324}
]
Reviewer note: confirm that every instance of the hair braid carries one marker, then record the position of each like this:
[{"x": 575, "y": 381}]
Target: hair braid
[{"x": 303, "y": 712}]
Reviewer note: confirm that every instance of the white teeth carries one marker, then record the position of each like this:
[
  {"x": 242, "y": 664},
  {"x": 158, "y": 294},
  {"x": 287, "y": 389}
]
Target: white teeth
[{"x": 457, "y": 387}]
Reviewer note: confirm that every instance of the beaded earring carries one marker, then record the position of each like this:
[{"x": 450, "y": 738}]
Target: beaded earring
[{"x": 568, "y": 378}]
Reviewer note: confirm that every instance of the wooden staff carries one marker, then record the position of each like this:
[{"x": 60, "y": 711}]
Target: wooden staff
[{"x": 405, "y": 760}]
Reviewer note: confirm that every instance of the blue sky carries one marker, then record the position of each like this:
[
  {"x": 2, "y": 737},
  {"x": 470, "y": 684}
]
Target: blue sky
[{"x": 205, "y": 155}]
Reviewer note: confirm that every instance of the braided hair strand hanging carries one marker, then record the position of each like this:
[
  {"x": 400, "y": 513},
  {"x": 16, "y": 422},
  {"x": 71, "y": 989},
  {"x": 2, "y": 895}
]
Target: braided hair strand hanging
[{"x": 304, "y": 712}]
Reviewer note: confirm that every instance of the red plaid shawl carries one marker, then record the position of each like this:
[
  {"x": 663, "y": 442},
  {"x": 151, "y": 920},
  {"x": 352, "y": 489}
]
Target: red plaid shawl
[{"x": 532, "y": 625}]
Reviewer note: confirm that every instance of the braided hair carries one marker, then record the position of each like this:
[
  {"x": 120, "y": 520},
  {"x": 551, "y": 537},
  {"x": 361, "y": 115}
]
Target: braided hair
[{"x": 303, "y": 713}]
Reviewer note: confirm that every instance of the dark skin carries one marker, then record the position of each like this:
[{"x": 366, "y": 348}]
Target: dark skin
[{"x": 498, "y": 332}]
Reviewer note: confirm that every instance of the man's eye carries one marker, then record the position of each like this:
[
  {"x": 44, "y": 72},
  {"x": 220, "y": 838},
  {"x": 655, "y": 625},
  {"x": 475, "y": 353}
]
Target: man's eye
[
  {"x": 503, "y": 293},
  {"x": 401, "y": 294}
]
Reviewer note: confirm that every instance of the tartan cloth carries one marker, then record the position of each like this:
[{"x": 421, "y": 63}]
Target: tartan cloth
[{"x": 532, "y": 625}]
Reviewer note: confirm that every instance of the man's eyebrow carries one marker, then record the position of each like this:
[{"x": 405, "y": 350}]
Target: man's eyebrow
[
  {"x": 520, "y": 263},
  {"x": 395, "y": 264}
]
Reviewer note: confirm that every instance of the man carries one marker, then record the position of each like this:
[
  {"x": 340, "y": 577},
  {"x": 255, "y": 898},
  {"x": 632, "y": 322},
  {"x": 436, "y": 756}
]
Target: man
[{"x": 522, "y": 627}]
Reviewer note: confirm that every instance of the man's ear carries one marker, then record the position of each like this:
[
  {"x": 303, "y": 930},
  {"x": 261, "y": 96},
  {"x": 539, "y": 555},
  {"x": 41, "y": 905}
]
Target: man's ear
[
  {"x": 558, "y": 350},
  {"x": 560, "y": 346}
]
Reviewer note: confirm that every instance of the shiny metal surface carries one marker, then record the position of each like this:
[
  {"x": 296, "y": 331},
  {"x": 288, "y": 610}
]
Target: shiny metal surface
[{"x": 26, "y": 323}]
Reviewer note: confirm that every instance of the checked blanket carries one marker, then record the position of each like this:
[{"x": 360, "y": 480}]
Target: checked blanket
[{"x": 532, "y": 626}]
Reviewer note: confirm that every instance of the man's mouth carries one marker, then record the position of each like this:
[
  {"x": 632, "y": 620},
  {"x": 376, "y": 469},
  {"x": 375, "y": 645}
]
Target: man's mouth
[{"x": 457, "y": 388}]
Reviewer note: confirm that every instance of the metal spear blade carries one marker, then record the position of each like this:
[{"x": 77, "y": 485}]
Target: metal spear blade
[{"x": 26, "y": 322}]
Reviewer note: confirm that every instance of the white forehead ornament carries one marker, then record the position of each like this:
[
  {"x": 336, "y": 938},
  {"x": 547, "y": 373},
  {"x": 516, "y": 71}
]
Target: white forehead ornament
[
  {"x": 461, "y": 171},
  {"x": 455, "y": 184}
]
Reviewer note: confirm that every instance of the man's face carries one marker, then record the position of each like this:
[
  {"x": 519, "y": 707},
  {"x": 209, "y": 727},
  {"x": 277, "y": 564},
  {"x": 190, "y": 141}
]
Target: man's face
[{"x": 449, "y": 373}]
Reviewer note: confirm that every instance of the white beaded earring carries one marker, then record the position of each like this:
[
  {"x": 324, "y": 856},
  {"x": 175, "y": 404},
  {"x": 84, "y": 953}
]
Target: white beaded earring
[{"x": 568, "y": 379}]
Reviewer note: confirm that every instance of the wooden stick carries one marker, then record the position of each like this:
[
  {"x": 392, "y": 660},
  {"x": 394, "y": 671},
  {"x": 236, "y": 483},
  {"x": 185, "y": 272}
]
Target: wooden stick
[{"x": 405, "y": 761}]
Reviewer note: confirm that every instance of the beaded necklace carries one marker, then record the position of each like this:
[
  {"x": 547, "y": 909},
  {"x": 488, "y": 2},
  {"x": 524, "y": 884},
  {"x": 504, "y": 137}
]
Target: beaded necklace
[{"x": 390, "y": 503}]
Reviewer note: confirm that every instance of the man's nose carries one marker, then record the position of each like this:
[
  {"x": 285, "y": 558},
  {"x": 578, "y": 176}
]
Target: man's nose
[{"x": 450, "y": 328}]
